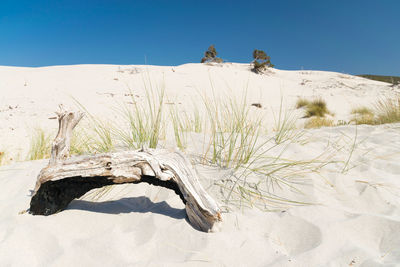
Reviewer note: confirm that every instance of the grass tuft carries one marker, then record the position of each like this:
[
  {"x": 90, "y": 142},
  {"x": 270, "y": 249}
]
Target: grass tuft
[
  {"x": 180, "y": 127},
  {"x": 302, "y": 102},
  {"x": 362, "y": 111},
  {"x": 2, "y": 157},
  {"x": 144, "y": 120},
  {"x": 363, "y": 115},
  {"x": 285, "y": 126},
  {"x": 387, "y": 111},
  {"x": 257, "y": 183},
  {"x": 40, "y": 146},
  {"x": 195, "y": 123},
  {"x": 80, "y": 143},
  {"x": 234, "y": 133},
  {"x": 102, "y": 139},
  {"x": 316, "y": 108},
  {"x": 318, "y": 122},
  {"x": 97, "y": 139}
]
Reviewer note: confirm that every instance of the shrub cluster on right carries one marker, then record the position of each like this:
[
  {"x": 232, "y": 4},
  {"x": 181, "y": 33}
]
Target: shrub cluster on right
[{"x": 383, "y": 111}]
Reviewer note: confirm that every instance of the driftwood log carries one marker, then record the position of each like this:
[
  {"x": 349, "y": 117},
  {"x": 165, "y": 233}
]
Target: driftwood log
[{"x": 66, "y": 178}]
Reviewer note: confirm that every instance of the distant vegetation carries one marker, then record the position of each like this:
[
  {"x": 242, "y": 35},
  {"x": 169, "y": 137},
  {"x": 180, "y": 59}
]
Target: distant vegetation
[
  {"x": 211, "y": 56},
  {"x": 261, "y": 61},
  {"x": 316, "y": 107},
  {"x": 381, "y": 78},
  {"x": 384, "y": 111}
]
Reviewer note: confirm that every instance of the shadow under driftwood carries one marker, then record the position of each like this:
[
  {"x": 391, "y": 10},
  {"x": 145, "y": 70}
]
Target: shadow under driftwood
[
  {"x": 68, "y": 178},
  {"x": 140, "y": 204}
]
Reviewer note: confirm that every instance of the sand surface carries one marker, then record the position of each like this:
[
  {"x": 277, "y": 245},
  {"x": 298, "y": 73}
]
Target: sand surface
[
  {"x": 354, "y": 219},
  {"x": 30, "y": 96}
]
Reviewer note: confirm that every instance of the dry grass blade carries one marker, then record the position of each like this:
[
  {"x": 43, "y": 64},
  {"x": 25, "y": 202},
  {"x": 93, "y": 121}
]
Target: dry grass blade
[
  {"x": 234, "y": 134},
  {"x": 144, "y": 121},
  {"x": 179, "y": 128},
  {"x": 302, "y": 102},
  {"x": 100, "y": 139},
  {"x": 362, "y": 111},
  {"x": 363, "y": 115},
  {"x": 255, "y": 184},
  {"x": 285, "y": 126},
  {"x": 388, "y": 110},
  {"x": 40, "y": 145},
  {"x": 318, "y": 122}
]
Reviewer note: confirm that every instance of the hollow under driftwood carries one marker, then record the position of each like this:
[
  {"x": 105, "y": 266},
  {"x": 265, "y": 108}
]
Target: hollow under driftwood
[{"x": 67, "y": 178}]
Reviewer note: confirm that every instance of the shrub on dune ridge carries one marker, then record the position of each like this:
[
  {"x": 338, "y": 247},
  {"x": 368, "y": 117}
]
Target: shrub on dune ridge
[
  {"x": 211, "y": 55},
  {"x": 261, "y": 61}
]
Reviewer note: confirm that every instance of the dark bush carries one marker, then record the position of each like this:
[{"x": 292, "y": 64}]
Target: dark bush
[
  {"x": 211, "y": 56},
  {"x": 261, "y": 61}
]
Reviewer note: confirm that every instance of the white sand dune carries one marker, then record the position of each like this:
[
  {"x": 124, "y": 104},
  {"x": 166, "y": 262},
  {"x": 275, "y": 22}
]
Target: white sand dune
[
  {"x": 29, "y": 96},
  {"x": 354, "y": 219}
]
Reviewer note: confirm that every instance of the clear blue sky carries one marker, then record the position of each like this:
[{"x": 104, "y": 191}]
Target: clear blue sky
[{"x": 351, "y": 36}]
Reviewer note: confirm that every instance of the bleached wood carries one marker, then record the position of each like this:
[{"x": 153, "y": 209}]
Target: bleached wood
[
  {"x": 155, "y": 166},
  {"x": 62, "y": 143}
]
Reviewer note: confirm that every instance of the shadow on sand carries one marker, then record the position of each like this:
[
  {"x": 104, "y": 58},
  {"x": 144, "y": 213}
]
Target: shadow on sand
[{"x": 127, "y": 205}]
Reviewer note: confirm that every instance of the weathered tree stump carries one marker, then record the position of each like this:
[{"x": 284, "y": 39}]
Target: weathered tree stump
[
  {"x": 62, "y": 143},
  {"x": 65, "y": 179}
]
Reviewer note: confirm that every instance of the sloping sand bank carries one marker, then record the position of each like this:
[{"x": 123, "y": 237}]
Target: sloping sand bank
[
  {"x": 344, "y": 212},
  {"x": 355, "y": 222}
]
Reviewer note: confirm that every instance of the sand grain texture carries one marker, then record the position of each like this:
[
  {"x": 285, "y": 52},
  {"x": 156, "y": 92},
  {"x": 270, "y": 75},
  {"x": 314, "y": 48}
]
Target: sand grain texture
[{"x": 355, "y": 219}]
